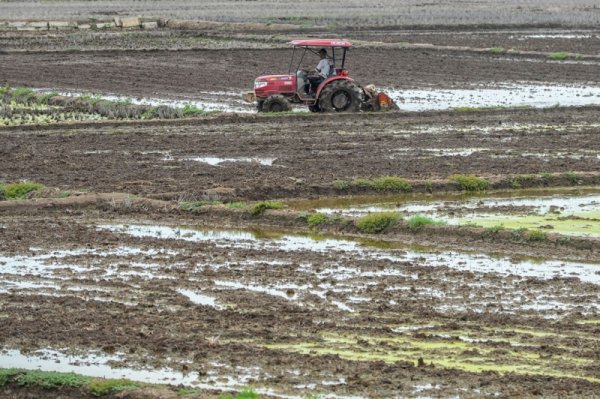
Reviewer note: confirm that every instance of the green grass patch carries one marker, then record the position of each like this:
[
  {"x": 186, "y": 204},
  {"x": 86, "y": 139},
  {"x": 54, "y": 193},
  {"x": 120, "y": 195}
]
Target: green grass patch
[
  {"x": 101, "y": 387},
  {"x": 262, "y": 206},
  {"x": 64, "y": 194},
  {"x": 497, "y": 50},
  {"x": 342, "y": 184},
  {"x": 392, "y": 184},
  {"x": 572, "y": 177},
  {"x": 44, "y": 98},
  {"x": 245, "y": 394},
  {"x": 13, "y": 191},
  {"x": 22, "y": 94},
  {"x": 522, "y": 180},
  {"x": 316, "y": 219},
  {"x": 192, "y": 110},
  {"x": 470, "y": 183},
  {"x": 376, "y": 222},
  {"x": 537, "y": 235},
  {"x": 495, "y": 229},
  {"x": 51, "y": 379},
  {"x": 152, "y": 112},
  {"x": 7, "y": 374},
  {"x": 419, "y": 221},
  {"x": 429, "y": 185},
  {"x": 559, "y": 55}
]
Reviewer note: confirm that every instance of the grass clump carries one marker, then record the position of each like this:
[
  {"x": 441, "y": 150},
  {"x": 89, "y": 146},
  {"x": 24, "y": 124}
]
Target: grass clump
[
  {"x": 23, "y": 95},
  {"x": 44, "y": 98},
  {"x": 316, "y": 219},
  {"x": 419, "y": 221},
  {"x": 342, "y": 184},
  {"x": 497, "y": 50},
  {"x": 522, "y": 180},
  {"x": 537, "y": 235},
  {"x": 470, "y": 183},
  {"x": 376, "y": 222},
  {"x": 237, "y": 205},
  {"x": 262, "y": 206},
  {"x": 101, "y": 387},
  {"x": 494, "y": 229},
  {"x": 245, "y": 394},
  {"x": 572, "y": 177},
  {"x": 192, "y": 110},
  {"x": 18, "y": 190},
  {"x": 391, "y": 184},
  {"x": 51, "y": 379},
  {"x": 7, "y": 374},
  {"x": 559, "y": 55}
]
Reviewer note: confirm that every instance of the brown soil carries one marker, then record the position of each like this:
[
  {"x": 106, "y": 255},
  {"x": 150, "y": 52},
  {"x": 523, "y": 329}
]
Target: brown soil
[
  {"x": 351, "y": 317},
  {"x": 165, "y": 74},
  {"x": 310, "y": 152}
]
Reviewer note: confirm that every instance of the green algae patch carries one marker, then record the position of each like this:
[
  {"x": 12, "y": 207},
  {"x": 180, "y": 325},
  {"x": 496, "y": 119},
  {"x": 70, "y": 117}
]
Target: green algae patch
[
  {"x": 579, "y": 224},
  {"x": 590, "y": 321},
  {"x": 464, "y": 354}
]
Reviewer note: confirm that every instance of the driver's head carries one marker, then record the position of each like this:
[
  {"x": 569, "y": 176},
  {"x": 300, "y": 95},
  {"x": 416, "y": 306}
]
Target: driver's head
[{"x": 323, "y": 53}]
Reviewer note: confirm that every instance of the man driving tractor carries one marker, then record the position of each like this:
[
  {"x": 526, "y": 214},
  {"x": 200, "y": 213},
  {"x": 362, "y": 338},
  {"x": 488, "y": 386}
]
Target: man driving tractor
[
  {"x": 330, "y": 89},
  {"x": 323, "y": 70}
]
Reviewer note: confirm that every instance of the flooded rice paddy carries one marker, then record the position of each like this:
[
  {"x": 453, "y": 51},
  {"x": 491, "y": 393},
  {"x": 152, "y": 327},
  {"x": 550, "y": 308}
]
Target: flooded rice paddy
[
  {"x": 570, "y": 212},
  {"x": 176, "y": 270},
  {"x": 503, "y": 95}
]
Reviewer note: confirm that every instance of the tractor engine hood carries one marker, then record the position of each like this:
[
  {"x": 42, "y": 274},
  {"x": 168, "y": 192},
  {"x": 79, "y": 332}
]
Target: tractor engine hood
[{"x": 274, "y": 84}]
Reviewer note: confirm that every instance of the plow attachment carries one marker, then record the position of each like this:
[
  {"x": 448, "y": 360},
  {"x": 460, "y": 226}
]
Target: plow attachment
[{"x": 377, "y": 100}]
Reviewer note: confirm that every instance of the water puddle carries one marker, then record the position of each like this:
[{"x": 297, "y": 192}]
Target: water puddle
[
  {"x": 208, "y": 101},
  {"x": 200, "y": 299},
  {"x": 96, "y": 364},
  {"x": 216, "y": 161},
  {"x": 496, "y": 95},
  {"x": 401, "y": 254}
]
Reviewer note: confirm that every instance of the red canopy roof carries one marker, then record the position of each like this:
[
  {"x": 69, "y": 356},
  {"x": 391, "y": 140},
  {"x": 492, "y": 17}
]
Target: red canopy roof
[{"x": 321, "y": 43}]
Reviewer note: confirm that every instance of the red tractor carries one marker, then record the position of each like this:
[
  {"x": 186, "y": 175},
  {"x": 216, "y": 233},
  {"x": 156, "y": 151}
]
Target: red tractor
[{"x": 336, "y": 93}]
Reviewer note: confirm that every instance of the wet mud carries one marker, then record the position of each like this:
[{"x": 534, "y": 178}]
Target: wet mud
[
  {"x": 294, "y": 314},
  {"x": 118, "y": 279}
]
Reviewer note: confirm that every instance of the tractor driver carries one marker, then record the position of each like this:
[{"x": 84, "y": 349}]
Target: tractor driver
[{"x": 323, "y": 68}]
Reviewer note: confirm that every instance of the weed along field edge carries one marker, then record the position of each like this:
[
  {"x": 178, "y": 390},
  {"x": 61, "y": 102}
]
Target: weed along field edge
[{"x": 160, "y": 239}]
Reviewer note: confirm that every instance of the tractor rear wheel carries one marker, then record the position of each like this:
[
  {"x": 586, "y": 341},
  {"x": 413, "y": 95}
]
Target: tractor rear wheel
[
  {"x": 276, "y": 103},
  {"x": 341, "y": 96},
  {"x": 259, "y": 105}
]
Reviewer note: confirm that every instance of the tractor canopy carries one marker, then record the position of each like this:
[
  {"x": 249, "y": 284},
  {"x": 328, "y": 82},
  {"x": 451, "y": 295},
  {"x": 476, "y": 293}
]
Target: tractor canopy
[{"x": 320, "y": 43}]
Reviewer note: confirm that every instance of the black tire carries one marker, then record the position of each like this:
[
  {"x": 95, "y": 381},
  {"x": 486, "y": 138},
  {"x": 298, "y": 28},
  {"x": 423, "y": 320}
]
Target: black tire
[
  {"x": 314, "y": 108},
  {"x": 259, "y": 105},
  {"x": 276, "y": 103},
  {"x": 341, "y": 96}
]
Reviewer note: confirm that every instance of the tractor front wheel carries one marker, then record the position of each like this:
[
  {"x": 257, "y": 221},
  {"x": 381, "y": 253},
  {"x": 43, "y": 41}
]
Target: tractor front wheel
[
  {"x": 341, "y": 96},
  {"x": 276, "y": 103}
]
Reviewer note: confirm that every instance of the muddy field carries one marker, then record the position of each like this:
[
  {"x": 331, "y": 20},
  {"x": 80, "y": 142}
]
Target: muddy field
[
  {"x": 353, "y": 13},
  {"x": 144, "y": 257}
]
